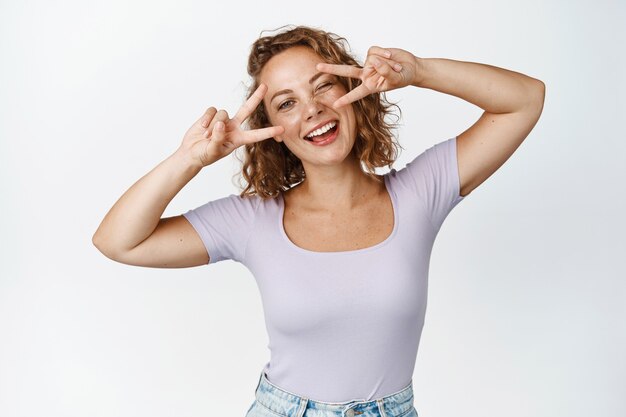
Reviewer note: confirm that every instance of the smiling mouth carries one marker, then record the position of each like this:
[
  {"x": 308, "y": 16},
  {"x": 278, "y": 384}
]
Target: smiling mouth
[{"x": 323, "y": 136}]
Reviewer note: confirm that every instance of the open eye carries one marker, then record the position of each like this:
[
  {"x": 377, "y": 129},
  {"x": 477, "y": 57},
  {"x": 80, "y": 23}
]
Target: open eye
[{"x": 282, "y": 105}]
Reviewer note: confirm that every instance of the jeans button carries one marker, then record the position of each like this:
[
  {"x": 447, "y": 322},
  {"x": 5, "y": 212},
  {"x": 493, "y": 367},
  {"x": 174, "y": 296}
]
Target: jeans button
[{"x": 350, "y": 413}]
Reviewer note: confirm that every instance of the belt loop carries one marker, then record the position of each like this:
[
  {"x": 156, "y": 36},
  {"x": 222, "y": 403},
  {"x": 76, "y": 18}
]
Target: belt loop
[
  {"x": 302, "y": 407},
  {"x": 381, "y": 407}
]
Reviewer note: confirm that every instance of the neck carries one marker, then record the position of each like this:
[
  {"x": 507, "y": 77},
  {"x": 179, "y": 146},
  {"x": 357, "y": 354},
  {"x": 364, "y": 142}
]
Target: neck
[{"x": 343, "y": 186}]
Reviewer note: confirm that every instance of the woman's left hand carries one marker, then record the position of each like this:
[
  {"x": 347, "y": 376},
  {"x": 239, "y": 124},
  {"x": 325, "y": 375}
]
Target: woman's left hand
[{"x": 385, "y": 69}]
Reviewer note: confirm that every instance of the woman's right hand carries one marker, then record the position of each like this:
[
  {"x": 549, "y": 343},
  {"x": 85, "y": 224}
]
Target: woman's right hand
[{"x": 214, "y": 135}]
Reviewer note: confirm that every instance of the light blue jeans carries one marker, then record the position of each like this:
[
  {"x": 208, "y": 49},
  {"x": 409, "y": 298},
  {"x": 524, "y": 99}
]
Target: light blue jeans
[{"x": 272, "y": 401}]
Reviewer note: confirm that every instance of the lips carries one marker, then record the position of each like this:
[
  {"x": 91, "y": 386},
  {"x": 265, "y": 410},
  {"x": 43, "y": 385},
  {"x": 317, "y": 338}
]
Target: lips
[
  {"x": 318, "y": 126},
  {"x": 329, "y": 137}
]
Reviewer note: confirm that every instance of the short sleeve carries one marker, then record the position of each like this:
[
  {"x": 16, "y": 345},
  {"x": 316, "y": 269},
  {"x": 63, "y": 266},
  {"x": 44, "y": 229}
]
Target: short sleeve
[
  {"x": 224, "y": 225},
  {"x": 435, "y": 176}
]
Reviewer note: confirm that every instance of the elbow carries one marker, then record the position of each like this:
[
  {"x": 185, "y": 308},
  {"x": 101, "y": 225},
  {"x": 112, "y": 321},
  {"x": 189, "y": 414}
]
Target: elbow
[
  {"x": 114, "y": 253},
  {"x": 539, "y": 92},
  {"x": 541, "y": 96},
  {"x": 103, "y": 248},
  {"x": 535, "y": 98},
  {"x": 96, "y": 240}
]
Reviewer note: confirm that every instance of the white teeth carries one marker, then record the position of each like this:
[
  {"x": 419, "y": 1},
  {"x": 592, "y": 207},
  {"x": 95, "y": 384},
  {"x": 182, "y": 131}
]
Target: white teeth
[{"x": 321, "y": 130}]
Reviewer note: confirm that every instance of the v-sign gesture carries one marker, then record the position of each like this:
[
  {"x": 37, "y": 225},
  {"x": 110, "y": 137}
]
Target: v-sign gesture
[
  {"x": 214, "y": 135},
  {"x": 385, "y": 69}
]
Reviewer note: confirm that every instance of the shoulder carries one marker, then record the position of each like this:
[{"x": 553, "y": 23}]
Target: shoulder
[
  {"x": 436, "y": 157},
  {"x": 233, "y": 207}
]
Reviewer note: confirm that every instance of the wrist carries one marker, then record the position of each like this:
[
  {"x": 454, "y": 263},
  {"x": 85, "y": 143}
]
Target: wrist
[
  {"x": 420, "y": 71},
  {"x": 184, "y": 161}
]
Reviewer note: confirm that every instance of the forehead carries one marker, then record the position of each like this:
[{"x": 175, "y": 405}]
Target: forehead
[{"x": 293, "y": 64}]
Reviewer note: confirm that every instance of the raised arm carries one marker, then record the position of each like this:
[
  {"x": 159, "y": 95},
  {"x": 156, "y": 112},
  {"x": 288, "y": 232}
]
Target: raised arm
[
  {"x": 133, "y": 231},
  {"x": 512, "y": 102}
]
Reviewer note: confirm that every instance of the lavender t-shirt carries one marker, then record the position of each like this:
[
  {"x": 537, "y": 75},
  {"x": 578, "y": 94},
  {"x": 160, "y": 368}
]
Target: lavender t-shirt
[{"x": 341, "y": 325}]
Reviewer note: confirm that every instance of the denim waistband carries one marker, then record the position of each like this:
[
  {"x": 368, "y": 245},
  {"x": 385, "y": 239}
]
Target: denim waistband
[{"x": 287, "y": 404}]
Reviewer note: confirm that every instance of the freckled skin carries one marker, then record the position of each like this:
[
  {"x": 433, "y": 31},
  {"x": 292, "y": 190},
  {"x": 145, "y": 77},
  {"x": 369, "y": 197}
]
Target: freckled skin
[{"x": 307, "y": 106}]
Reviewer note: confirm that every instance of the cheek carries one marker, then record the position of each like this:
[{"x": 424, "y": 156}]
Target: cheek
[
  {"x": 290, "y": 123},
  {"x": 334, "y": 94},
  {"x": 353, "y": 119}
]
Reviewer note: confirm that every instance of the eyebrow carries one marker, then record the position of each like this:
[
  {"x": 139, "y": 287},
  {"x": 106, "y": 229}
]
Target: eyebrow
[{"x": 287, "y": 91}]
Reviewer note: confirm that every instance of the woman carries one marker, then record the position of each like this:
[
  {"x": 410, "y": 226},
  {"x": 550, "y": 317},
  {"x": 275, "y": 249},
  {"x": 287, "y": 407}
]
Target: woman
[{"x": 339, "y": 253}]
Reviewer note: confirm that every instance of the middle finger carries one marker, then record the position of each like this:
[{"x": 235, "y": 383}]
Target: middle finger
[
  {"x": 341, "y": 70},
  {"x": 251, "y": 104},
  {"x": 352, "y": 96}
]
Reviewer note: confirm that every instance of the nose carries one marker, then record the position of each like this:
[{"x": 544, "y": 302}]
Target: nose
[{"x": 313, "y": 108}]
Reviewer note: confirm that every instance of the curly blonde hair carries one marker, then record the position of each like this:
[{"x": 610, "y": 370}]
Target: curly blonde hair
[{"x": 269, "y": 167}]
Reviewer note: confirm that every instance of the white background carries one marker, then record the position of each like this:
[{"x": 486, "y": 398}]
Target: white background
[{"x": 526, "y": 301}]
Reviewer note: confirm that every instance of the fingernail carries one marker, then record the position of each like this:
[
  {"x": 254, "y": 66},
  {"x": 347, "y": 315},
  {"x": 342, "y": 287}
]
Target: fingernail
[
  {"x": 397, "y": 67},
  {"x": 387, "y": 53}
]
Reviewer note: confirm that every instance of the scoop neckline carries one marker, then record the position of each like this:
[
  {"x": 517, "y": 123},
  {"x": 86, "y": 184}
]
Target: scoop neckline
[{"x": 394, "y": 206}]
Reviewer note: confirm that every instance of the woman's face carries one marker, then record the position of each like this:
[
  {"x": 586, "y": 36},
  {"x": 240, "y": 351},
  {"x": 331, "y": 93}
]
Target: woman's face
[{"x": 300, "y": 99}]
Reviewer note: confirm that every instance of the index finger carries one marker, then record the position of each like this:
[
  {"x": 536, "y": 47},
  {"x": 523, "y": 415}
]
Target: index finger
[
  {"x": 256, "y": 135},
  {"x": 341, "y": 70},
  {"x": 352, "y": 96},
  {"x": 251, "y": 104}
]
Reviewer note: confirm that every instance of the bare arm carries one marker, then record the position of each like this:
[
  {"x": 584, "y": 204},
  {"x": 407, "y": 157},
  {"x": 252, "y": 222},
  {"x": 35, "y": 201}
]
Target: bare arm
[
  {"x": 512, "y": 103},
  {"x": 133, "y": 231},
  {"x": 137, "y": 213}
]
